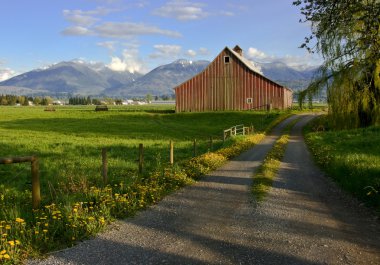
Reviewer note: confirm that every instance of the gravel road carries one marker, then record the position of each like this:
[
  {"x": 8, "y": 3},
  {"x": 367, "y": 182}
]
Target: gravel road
[{"x": 304, "y": 220}]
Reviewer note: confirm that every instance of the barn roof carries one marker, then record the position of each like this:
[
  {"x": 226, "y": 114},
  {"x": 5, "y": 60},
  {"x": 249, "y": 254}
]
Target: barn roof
[
  {"x": 245, "y": 61},
  {"x": 250, "y": 66}
]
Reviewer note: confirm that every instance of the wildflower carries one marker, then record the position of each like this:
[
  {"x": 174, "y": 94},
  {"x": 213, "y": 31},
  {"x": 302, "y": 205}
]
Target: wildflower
[
  {"x": 19, "y": 220},
  {"x": 17, "y": 242},
  {"x": 11, "y": 243},
  {"x": 45, "y": 231},
  {"x": 36, "y": 232},
  {"x": 75, "y": 210},
  {"x": 3, "y": 252},
  {"x": 91, "y": 218},
  {"x": 6, "y": 256},
  {"x": 46, "y": 224},
  {"x": 8, "y": 227},
  {"x": 4, "y": 235}
]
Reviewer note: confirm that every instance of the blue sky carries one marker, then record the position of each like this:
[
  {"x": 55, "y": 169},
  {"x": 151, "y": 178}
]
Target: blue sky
[{"x": 140, "y": 35}]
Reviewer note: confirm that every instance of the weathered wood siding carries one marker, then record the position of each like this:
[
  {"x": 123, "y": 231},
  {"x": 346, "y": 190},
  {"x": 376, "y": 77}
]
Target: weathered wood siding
[{"x": 228, "y": 86}]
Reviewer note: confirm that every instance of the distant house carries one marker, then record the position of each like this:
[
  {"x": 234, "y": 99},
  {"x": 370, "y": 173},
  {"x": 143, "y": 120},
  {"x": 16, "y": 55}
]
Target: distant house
[{"x": 230, "y": 82}]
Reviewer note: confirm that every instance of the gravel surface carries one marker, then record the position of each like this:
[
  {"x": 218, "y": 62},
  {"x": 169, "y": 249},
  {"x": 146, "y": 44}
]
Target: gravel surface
[{"x": 303, "y": 221}]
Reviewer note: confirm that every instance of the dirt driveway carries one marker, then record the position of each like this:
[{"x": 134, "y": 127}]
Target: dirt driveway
[{"x": 304, "y": 220}]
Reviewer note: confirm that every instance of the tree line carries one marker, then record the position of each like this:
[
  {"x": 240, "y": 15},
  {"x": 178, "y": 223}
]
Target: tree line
[{"x": 11, "y": 100}]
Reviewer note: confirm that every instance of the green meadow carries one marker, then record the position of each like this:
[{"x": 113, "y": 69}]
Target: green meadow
[
  {"x": 350, "y": 157},
  {"x": 68, "y": 141}
]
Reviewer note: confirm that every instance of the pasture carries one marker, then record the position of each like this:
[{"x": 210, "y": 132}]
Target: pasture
[{"x": 69, "y": 140}]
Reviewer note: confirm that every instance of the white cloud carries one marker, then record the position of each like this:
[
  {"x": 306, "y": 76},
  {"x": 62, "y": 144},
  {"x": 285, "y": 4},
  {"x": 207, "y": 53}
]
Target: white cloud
[
  {"x": 109, "y": 45},
  {"x": 77, "y": 31},
  {"x": 191, "y": 53},
  {"x": 166, "y": 51},
  {"x": 130, "y": 61},
  {"x": 227, "y": 13},
  {"x": 128, "y": 30},
  {"x": 296, "y": 62},
  {"x": 182, "y": 10},
  {"x": 204, "y": 51},
  {"x": 77, "y": 18},
  {"x": 6, "y": 73},
  {"x": 258, "y": 55}
]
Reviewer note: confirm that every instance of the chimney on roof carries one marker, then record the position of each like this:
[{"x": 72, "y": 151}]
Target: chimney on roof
[{"x": 238, "y": 50}]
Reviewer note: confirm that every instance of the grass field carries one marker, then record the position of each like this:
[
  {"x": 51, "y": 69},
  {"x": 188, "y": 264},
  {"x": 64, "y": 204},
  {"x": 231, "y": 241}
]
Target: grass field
[
  {"x": 68, "y": 142},
  {"x": 351, "y": 158}
]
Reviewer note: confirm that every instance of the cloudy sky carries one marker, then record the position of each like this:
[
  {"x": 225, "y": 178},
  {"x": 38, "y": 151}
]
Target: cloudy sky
[{"x": 140, "y": 35}]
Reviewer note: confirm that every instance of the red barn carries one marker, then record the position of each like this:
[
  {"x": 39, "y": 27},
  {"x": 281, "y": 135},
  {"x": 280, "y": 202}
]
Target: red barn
[{"x": 230, "y": 82}]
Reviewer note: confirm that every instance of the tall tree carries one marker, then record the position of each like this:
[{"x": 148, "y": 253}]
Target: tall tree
[{"x": 346, "y": 34}]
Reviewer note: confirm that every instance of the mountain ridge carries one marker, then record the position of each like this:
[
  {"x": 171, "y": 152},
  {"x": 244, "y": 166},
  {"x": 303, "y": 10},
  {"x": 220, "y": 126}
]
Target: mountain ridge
[{"x": 96, "y": 79}]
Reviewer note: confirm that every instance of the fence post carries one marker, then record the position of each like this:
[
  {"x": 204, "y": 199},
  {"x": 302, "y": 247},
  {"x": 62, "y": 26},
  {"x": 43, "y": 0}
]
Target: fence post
[
  {"x": 195, "y": 148},
  {"x": 171, "y": 152},
  {"x": 211, "y": 144},
  {"x": 141, "y": 158},
  {"x": 104, "y": 165},
  {"x": 36, "y": 193}
]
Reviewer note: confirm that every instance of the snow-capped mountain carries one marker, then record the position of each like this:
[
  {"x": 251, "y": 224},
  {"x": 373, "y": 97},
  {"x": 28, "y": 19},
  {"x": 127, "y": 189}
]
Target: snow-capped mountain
[{"x": 81, "y": 78}]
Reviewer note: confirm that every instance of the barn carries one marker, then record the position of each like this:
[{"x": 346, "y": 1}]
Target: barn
[{"x": 230, "y": 82}]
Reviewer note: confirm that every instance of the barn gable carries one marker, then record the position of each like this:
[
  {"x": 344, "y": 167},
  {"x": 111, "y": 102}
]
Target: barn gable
[{"x": 230, "y": 82}]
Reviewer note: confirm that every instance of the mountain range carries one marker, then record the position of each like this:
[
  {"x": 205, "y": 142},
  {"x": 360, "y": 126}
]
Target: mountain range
[{"x": 95, "y": 79}]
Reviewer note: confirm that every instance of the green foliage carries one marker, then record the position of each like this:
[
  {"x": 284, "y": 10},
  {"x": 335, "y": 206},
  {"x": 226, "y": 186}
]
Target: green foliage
[
  {"x": 347, "y": 36},
  {"x": 350, "y": 157}
]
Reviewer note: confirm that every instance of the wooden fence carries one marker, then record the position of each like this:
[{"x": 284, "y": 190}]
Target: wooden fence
[
  {"x": 36, "y": 195},
  {"x": 237, "y": 130}
]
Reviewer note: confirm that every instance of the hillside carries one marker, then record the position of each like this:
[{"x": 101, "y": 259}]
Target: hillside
[{"x": 81, "y": 78}]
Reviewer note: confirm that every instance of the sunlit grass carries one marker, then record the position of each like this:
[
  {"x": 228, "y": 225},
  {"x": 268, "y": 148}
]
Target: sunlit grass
[{"x": 350, "y": 157}]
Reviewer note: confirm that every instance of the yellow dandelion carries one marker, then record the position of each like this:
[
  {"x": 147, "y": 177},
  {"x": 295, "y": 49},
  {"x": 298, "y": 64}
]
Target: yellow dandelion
[
  {"x": 17, "y": 242},
  {"x": 45, "y": 231},
  {"x": 91, "y": 218},
  {"x": 19, "y": 220},
  {"x": 36, "y": 232},
  {"x": 8, "y": 227},
  {"x": 11, "y": 243},
  {"x": 3, "y": 252},
  {"x": 4, "y": 235},
  {"x": 75, "y": 210},
  {"x": 46, "y": 224},
  {"x": 6, "y": 256}
]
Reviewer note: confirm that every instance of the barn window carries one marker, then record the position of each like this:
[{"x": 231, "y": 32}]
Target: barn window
[
  {"x": 226, "y": 59},
  {"x": 249, "y": 100}
]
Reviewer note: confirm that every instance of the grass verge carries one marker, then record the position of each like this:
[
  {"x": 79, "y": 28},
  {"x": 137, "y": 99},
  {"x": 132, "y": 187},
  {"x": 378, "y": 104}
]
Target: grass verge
[
  {"x": 263, "y": 178},
  {"x": 350, "y": 157}
]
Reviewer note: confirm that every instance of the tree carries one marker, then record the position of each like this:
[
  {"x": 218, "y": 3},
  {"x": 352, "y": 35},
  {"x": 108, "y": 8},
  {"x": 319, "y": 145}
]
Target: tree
[
  {"x": 37, "y": 101},
  {"x": 148, "y": 98},
  {"x": 346, "y": 34}
]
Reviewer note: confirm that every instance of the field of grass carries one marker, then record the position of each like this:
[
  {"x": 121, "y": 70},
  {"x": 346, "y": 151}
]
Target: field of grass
[
  {"x": 68, "y": 142},
  {"x": 350, "y": 157}
]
